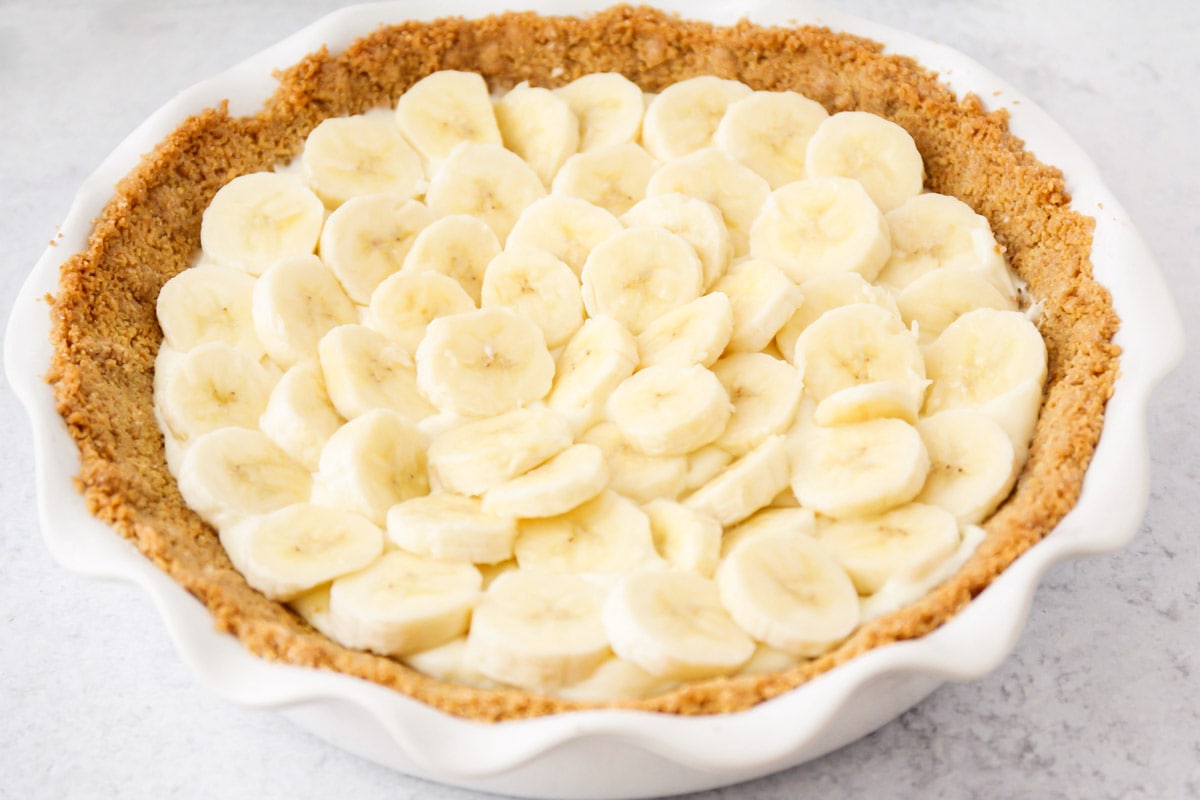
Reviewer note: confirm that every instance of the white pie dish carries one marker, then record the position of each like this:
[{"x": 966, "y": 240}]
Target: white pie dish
[{"x": 645, "y": 754}]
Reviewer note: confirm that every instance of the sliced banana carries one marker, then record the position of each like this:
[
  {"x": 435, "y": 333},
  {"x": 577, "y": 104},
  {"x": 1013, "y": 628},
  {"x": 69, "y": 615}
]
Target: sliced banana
[
  {"x": 405, "y": 303},
  {"x": 259, "y": 218},
  {"x": 345, "y": 157},
  {"x": 208, "y": 303},
  {"x": 539, "y": 126},
  {"x": 613, "y": 177},
  {"x": 748, "y": 484},
  {"x": 632, "y": 473},
  {"x": 600, "y": 355},
  {"x": 672, "y": 625},
  {"x": 827, "y": 291},
  {"x": 609, "y": 108},
  {"x": 972, "y": 463},
  {"x": 670, "y": 411},
  {"x": 793, "y": 521},
  {"x": 639, "y": 274},
  {"x": 371, "y": 463},
  {"x": 765, "y": 393},
  {"x": 299, "y": 416},
  {"x": 604, "y": 535},
  {"x": 872, "y": 400},
  {"x": 291, "y": 550},
  {"x": 481, "y": 454},
  {"x": 364, "y": 370},
  {"x": 448, "y": 662},
  {"x": 296, "y": 302},
  {"x": 616, "y": 677},
  {"x": 458, "y": 246},
  {"x": 698, "y": 222},
  {"x": 451, "y": 527},
  {"x": 820, "y": 225},
  {"x": 688, "y": 539},
  {"x": 769, "y": 133},
  {"x": 231, "y": 473},
  {"x": 981, "y": 356},
  {"x": 445, "y": 109},
  {"x": 538, "y": 631},
  {"x": 539, "y": 287},
  {"x": 403, "y": 604},
  {"x": 715, "y": 177},
  {"x": 486, "y": 181},
  {"x": 368, "y": 238},
  {"x": 564, "y": 226},
  {"x": 940, "y": 296},
  {"x": 683, "y": 117},
  {"x": 694, "y": 333},
  {"x": 565, "y": 481},
  {"x": 879, "y": 154},
  {"x": 763, "y": 298},
  {"x": 704, "y": 464},
  {"x": 859, "y": 469},
  {"x": 215, "y": 386},
  {"x": 483, "y": 362},
  {"x": 788, "y": 592},
  {"x": 1017, "y": 413}
]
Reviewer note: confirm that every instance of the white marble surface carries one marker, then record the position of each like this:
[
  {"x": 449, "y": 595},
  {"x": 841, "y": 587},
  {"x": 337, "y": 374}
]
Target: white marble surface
[{"x": 1100, "y": 699}]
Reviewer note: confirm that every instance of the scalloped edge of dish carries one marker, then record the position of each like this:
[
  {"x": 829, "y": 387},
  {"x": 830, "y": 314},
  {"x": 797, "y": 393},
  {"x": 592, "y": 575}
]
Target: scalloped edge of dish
[{"x": 654, "y": 754}]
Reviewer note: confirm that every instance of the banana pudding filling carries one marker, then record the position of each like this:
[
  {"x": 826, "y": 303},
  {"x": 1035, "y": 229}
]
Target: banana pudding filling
[{"x": 665, "y": 385}]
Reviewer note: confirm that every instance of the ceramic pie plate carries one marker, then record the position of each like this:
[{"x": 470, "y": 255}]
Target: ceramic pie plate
[{"x": 615, "y": 753}]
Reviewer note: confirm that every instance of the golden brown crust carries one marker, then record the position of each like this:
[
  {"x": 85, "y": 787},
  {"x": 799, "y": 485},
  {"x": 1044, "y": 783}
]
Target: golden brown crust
[{"x": 106, "y": 334}]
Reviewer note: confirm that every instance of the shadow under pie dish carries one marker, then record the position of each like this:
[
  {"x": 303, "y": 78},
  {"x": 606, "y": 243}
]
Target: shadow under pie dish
[{"x": 103, "y": 368}]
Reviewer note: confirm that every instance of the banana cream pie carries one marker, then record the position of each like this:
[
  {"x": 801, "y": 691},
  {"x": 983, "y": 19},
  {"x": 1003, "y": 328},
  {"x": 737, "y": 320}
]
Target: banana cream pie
[{"x": 642, "y": 369}]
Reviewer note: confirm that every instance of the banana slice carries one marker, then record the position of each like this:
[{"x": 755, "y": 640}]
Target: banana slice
[
  {"x": 486, "y": 181},
  {"x": 405, "y": 303},
  {"x": 613, "y": 177},
  {"x": 451, "y": 527},
  {"x": 564, "y": 482},
  {"x": 670, "y": 411},
  {"x": 313, "y": 607},
  {"x": 616, "y": 677},
  {"x": 940, "y": 296},
  {"x": 539, "y": 287},
  {"x": 445, "y": 109},
  {"x": 765, "y": 393},
  {"x": 972, "y": 463},
  {"x": 298, "y": 547},
  {"x": 259, "y": 218},
  {"x": 769, "y": 133},
  {"x": 935, "y": 231},
  {"x": 672, "y": 625},
  {"x": 748, "y": 484},
  {"x": 458, "y": 246},
  {"x": 860, "y": 469},
  {"x": 609, "y": 108},
  {"x": 698, "y": 222},
  {"x": 632, "y": 473},
  {"x": 370, "y": 464},
  {"x": 539, "y": 126},
  {"x": 689, "y": 539},
  {"x": 403, "y": 604},
  {"x": 639, "y": 274},
  {"x": 877, "y": 153},
  {"x": 767, "y": 660},
  {"x": 906, "y": 542},
  {"x": 364, "y": 370},
  {"x": 704, "y": 464},
  {"x": 821, "y": 225},
  {"x": 299, "y": 416},
  {"x": 600, "y": 355},
  {"x": 215, "y": 386},
  {"x": 232, "y": 473},
  {"x": 824, "y": 292},
  {"x": 606, "y": 534},
  {"x": 793, "y": 521},
  {"x": 694, "y": 333},
  {"x": 564, "y": 226},
  {"x": 873, "y": 400},
  {"x": 345, "y": 157},
  {"x": 368, "y": 238},
  {"x": 538, "y": 631},
  {"x": 208, "y": 303},
  {"x": 483, "y": 362},
  {"x": 683, "y": 117},
  {"x": 448, "y": 662},
  {"x": 856, "y": 344},
  {"x": 716, "y": 177},
  {"x": 1017, "y": 413},
  {"x": 296, "y": 302},
  {"x": 763, "y": 297},
  {"x": 481, "y": 454},
  {"x": 982, "y": 355},
  {"x": 787, "y": 591}
]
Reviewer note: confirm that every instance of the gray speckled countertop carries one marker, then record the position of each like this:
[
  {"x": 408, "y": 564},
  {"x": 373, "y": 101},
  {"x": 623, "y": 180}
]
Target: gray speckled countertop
[{"x": 1102, "y": 696}]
